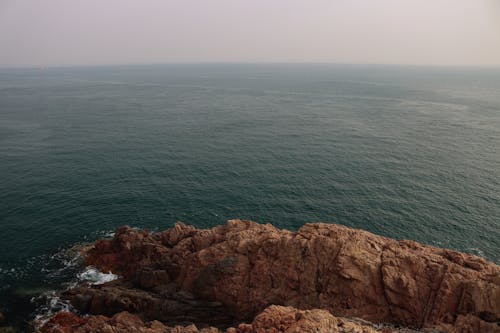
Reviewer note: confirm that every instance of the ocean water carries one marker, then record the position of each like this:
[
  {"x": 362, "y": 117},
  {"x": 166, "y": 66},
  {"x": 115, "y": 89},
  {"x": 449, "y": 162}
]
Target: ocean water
[{"x": 404, "y": 152}]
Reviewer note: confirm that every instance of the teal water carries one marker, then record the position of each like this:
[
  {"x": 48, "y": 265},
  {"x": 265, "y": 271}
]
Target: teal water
[{"x": 405, "y": 152}]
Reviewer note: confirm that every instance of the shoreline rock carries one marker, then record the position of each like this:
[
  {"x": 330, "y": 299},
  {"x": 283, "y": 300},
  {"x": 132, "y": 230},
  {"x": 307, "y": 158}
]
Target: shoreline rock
[
  {"x": 234, "y": 273},
  {"x": 273, "y": 319}
]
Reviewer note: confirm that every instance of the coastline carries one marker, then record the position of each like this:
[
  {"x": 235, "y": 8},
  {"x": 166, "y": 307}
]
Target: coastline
[{"x": 237, "y": 276}]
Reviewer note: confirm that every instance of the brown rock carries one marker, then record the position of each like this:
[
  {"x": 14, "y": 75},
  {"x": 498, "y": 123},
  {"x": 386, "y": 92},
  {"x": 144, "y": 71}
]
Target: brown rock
[
  {"x": 290, "y": 320},
  {"x": 123, "y": 322},
  {"x": 274, "y": 319},
  {"x": 246, "y": 267},
  {"x": 172, "y": 307}
]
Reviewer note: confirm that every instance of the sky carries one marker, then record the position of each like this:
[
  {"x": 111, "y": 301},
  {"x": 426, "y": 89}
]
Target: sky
[{"x": 109, "y": 32}]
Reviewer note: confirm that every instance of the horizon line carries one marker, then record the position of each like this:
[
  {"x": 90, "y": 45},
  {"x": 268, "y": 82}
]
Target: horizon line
[{"x": 183, "y": 63}]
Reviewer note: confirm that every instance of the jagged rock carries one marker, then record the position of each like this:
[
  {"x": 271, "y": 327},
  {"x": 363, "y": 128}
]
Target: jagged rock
[
  {"x": 123, "y": 322},
  {"x": 243, "y": 267},
  {"x": 274, "y": 319},
  {"x": 288, "y": 319},
  {"x": 164, "y": 305}
]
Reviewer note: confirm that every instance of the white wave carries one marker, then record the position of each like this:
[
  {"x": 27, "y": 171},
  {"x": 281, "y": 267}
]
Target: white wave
[
  {"x": 93, "y": 276},
  {"x": 109, "y": 234},
  {"x": 53, "y": 304},
  {"x": 67, "y": 262},
  {"x": 475, "y": 251}
]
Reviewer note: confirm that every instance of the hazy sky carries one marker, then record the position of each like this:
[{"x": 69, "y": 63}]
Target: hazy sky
[{"x": 80, "y": 32}]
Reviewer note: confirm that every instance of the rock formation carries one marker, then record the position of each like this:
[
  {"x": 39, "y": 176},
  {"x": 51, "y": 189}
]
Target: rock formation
[
  {"x": 230, "y": 274},
  {"x": 273, "y": 320}
]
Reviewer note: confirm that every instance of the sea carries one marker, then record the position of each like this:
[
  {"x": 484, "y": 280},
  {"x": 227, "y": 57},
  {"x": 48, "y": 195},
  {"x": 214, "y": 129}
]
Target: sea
[{"x": 405, "y": 152}]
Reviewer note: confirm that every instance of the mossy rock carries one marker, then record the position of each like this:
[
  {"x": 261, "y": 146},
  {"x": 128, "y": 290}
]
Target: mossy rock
[
  {"x": 30, "y": 292},
  {"x": 8, "y": 329}
]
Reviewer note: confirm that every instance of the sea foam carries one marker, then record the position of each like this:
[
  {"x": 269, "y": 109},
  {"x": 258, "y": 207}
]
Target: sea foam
[{"x": 93, "y": 276}]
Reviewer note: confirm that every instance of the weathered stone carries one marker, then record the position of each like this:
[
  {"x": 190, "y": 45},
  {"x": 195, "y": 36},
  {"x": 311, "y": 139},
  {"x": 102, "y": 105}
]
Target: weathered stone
[
  {"x": 8, "y": 329},
  {"x": 231, "y": 273},
  {"x": 273, "y": 319}
]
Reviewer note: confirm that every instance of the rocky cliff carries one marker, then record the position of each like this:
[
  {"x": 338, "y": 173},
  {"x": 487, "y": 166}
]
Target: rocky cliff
[{"x": 323, "y": 277}]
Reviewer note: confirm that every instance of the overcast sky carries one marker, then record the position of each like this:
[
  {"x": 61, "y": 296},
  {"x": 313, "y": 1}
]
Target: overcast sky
[{"x": 90, "y": 32}]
